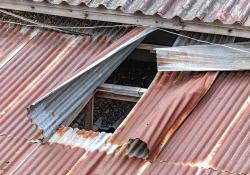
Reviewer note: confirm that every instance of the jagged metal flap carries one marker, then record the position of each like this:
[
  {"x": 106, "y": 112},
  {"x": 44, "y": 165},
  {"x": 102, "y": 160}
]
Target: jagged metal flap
[{"x": 204, "y": 57}]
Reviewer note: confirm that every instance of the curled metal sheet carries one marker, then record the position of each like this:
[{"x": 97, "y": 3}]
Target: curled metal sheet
[
  {"x": 36, "y": 61},
  {"x": 227, "y": 11},
  {"x": 52, "y": 109},
  {"x": 204, "y": 58},
  {"x": 168, "y": 101}
]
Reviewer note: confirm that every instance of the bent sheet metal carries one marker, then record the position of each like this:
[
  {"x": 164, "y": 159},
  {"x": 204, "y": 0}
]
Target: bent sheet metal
[
  {"x": 168, "y": 101},
  {"x": 52, "y": 109},
  {"x": 204, "y": 58},
  {"x": 35, "y": 61}
]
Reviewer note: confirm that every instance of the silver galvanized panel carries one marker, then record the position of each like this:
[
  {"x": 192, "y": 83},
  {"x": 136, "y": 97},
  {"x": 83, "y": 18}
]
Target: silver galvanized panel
[{"x": 204, "y": 58}]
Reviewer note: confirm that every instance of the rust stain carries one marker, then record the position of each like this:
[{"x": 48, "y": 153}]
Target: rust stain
[{"x": 216, "y": 133}]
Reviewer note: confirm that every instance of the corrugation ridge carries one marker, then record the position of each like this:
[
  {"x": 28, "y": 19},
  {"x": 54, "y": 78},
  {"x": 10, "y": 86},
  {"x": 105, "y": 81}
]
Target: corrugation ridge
[{"x": 33, "y": 69}]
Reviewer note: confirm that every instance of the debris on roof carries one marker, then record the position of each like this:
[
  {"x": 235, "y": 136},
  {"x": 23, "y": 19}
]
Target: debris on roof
[
  {"x": 228, "y": 12},
  {"x": 204, "y": 58}
]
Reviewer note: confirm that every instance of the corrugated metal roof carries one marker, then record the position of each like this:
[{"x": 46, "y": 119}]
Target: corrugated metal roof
[
  {"x": 228, "y": 12},
  {"x": 161, "y": 168},
  {"x": 216, "y": 134},
  {"x": 204, "y": 58},
  {"x": 39, "y": 60}
]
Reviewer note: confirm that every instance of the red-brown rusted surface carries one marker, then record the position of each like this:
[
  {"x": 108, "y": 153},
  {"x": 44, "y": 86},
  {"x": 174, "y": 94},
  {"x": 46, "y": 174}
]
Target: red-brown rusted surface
[
  {"x": 216, "y": 134},
  {"x": 168, "y": 101},
  {"x": 100, "y": 163},
  {"x": 42, "y": 64},
  {"x": 163, "y": 168},
  {"x": 12, "y": 152}
]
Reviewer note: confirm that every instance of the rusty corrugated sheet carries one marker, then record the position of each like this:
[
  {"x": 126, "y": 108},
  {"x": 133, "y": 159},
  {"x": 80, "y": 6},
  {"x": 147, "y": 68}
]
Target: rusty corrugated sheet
[
  {"x": 49, "y": 159},
  {"x": 204, "y": 58},
  {"x": 13, "y": 151},
  {"x": 227, "y": 11},
  {"x": 36, "y": 66},
  {"x": 216, "y": 134},
  {"x": 161, "y": 168},
  {"x": 169, "y": 100}
]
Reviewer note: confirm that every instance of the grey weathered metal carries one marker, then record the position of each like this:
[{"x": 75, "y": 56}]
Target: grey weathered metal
[{"x": 204, "y": 58}]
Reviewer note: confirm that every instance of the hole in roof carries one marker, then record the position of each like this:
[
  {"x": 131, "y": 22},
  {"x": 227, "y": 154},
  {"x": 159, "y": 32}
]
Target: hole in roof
[{"x": 138, "y": 70}]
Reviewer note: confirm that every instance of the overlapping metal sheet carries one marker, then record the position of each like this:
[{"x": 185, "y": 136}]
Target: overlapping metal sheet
[
  {"x": 168, "y": 101},
  {"x": 161, "y": 168},
  {"x": 34, "y": 62},
  {"x": 227, "y": 11},
  {"x": 216, "y": 134},
  {"x": 204, "y": 58}
]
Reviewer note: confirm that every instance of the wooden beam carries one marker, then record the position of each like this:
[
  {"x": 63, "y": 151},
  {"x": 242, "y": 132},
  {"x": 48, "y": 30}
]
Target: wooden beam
[
  {"x": 149, "y": 47},
  {"x": 119, "y": 92},
  {"x": 109, "y": 95},
  {"x": 122, "y": 90},
  {"x": 111, "y": 91},
  {"x": 104, "y": 14},
  {"x": 89, "y": 115}
]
